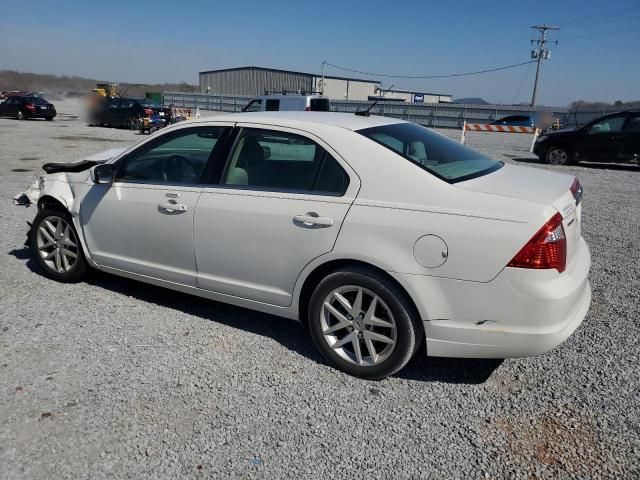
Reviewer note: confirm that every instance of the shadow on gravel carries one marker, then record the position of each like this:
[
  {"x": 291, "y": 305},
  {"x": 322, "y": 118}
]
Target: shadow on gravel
[
  {"x": 288, "y": 333},
  {"x": 596, "y": 166}
]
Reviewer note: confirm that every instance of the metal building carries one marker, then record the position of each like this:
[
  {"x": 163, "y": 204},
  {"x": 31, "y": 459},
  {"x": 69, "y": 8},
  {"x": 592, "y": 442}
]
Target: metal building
[{"x": 253, "y": 81}]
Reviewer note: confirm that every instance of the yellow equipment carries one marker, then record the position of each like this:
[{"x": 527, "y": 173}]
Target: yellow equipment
[{"x": 106, "y": 90}]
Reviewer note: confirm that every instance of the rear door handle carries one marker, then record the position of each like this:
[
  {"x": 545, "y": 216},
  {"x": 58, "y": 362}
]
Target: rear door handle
[
  {"x": 310, "y": 219},
  {"x": 173, "y": 207}
]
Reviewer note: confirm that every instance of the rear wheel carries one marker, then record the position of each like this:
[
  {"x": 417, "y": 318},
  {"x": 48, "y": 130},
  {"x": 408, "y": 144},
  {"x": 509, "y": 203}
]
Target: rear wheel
[
  {"x": 558, "y": 156},
  {"x": 49, "y": 118},
  {"x": 56, "y": 247},
  {"x": 20, "y": 115},
  {"x": 363, "y": 323}
]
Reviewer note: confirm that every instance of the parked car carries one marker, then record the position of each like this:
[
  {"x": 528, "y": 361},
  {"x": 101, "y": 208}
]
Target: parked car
[
  {"x": 611, "y": 138},
  {"x": 26, "y": 107},
  {"x": 374, "y": 232},
  {"x": 289, "y": 102},
  {"x": 127, "y": 112}
]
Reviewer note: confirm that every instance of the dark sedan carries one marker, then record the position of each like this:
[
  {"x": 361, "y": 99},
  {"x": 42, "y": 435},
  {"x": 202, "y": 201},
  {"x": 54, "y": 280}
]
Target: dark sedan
[
  {"x": 128, "y": 112},
  {"x": 26, "y": 107},
  {"x": 611, "y": 138}
]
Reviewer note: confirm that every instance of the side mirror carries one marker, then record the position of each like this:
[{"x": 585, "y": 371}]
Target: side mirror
[{"x": 103, "y": 173}]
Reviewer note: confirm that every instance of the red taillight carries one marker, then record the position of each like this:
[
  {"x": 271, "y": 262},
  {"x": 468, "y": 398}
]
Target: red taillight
[
  {"x": 148, "y": 111},
  {"x": 547, "y": 248},
  {"x": 30, "y": 106},
  {"x": 576, "y": 191}
]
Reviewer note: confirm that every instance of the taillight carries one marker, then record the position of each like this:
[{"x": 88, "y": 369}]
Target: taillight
[
  {"x": 148, "y": 111},
  {"x": 576, "y": 191},
  {"x": 546, "y": 249},
  {"x": 30, "y": 106}
]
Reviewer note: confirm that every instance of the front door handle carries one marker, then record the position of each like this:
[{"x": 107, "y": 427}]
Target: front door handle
[
  {"x": 173, "y": 207},
  {"x": 311, "y": 219}
]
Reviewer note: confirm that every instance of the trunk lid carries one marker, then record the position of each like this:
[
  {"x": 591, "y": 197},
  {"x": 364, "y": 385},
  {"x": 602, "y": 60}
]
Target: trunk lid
[{"x": 535, "y": 185}]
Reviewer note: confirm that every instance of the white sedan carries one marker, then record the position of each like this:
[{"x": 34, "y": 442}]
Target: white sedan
[{"x": 376, "y": 233}]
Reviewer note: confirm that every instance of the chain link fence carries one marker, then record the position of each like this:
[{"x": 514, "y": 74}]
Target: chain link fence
[{"x": 440, "y": 115}]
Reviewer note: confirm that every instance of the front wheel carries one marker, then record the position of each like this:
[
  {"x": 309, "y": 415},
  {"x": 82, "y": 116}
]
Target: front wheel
[
  {"x": 363, "y": 324},
  {"x": 56, "y": 248},
  {"x": 558, "y": 156},
  {"x": 133, "y": 123}
]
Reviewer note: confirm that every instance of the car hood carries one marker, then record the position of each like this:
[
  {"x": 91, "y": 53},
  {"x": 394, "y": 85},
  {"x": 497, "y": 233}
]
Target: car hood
[{"x": 532, "y": 184}]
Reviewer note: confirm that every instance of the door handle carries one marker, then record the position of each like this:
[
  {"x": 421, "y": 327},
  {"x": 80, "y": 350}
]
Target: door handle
[
  {"x": 311, "y": 219},
  {"x": 173, "y": 207}
]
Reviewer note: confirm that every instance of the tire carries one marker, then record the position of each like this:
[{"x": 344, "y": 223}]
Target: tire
[
  {"x": 20, "y": 115},
  {"x": 338, "y": 335},
  {"x": 54, "y": 242},
  {"x": 557, "y": 155},
  {"x": 133, "y": 123},
  {"x": 49, "y": 118}
]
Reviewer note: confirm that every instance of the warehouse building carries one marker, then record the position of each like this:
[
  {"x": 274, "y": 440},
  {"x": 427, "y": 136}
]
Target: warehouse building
[{"x": 253, "y": 81}]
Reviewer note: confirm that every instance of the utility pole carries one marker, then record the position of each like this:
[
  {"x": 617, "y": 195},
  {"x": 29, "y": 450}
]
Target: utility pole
[
  {"x": 539, "y": 52},
  {"x": 322, "y": 86}
]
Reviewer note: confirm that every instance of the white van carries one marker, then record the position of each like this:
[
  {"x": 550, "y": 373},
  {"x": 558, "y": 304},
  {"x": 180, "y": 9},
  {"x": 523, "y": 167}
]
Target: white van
[{"x": 294, "y": 101}]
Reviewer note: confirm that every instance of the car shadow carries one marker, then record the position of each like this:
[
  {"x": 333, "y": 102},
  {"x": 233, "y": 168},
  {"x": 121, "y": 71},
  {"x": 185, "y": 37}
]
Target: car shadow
[
  {"x": 595, "y": 165},
  {"x": 288, "y": 333}
]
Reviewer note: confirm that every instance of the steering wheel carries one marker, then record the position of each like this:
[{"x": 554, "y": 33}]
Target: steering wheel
[{"x": 173, "y": 168}]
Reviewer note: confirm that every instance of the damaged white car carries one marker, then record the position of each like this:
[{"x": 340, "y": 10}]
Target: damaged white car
[{"x": 376, "y": 233}]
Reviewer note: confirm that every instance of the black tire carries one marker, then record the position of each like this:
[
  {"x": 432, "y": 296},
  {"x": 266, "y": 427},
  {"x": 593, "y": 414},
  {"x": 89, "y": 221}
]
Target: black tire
[
  {"x": 558, "y": 155},
  {"x": 49, "y": 119},
  {"x": 133, "y": 123},
  {"x": 78, "y": 269},
  {"x": 21, "y": 115},
  {"x": 409, "y": 331}
]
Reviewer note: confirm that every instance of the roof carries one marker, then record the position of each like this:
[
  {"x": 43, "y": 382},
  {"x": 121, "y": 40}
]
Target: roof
[
  {"x": 265, "y": 69},
  {"x": 294, "y": 119}
]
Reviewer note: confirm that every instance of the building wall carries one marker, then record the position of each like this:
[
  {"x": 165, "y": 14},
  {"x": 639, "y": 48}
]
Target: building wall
[
  {"x": 252, "y": 82},
  {"x": 408, "y": 97}
]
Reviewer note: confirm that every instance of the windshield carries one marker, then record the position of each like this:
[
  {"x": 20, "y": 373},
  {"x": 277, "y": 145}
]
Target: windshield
[{"x": 432, "y": 152}]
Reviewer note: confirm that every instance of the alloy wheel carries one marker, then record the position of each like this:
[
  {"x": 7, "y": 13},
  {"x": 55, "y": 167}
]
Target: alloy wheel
[
  {"x": 57, "y": 244},
  {"x": 558, "y": 156},
  {"x": 358, "y": 325}
]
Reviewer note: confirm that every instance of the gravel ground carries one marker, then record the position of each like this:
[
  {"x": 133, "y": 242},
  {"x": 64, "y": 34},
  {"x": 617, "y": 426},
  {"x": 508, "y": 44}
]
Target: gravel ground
[{"x": 116, "y": 379}]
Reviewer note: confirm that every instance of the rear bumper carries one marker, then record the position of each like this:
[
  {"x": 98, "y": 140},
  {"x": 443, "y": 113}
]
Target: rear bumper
[{"x": 518, "y": 314}]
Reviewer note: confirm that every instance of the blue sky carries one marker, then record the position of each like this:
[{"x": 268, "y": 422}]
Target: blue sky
[{"x": 596, "y": 59}]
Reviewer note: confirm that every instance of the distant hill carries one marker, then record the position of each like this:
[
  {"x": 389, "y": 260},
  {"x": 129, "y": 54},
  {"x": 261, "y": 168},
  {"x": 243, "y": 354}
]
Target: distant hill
[
  {"x": 63, "y": 86},
  {"x": 471, "y": 101}
]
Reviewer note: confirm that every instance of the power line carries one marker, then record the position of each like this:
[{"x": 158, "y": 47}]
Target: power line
[
  {"x": 388, "y": 75},
  {"x": 600, "y": 34},
  {"x": 608, "y": 14}
]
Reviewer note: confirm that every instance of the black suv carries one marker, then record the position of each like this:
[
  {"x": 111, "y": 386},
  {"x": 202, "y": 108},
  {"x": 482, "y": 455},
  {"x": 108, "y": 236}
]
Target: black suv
[
  {"x": 611, "y": 138},
  {"x": 27, "y": 107},
  {"x": 127, "y": 112}
]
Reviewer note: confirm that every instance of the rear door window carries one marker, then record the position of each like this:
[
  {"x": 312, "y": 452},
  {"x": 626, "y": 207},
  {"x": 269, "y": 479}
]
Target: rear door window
[
  {"x": 633, "y": 123},
  {"x": 283, "y": 161}
]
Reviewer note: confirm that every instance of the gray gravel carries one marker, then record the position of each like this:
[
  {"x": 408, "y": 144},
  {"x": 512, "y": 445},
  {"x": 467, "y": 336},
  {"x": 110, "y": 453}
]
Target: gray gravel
[{"x": 116, "y": 379}]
